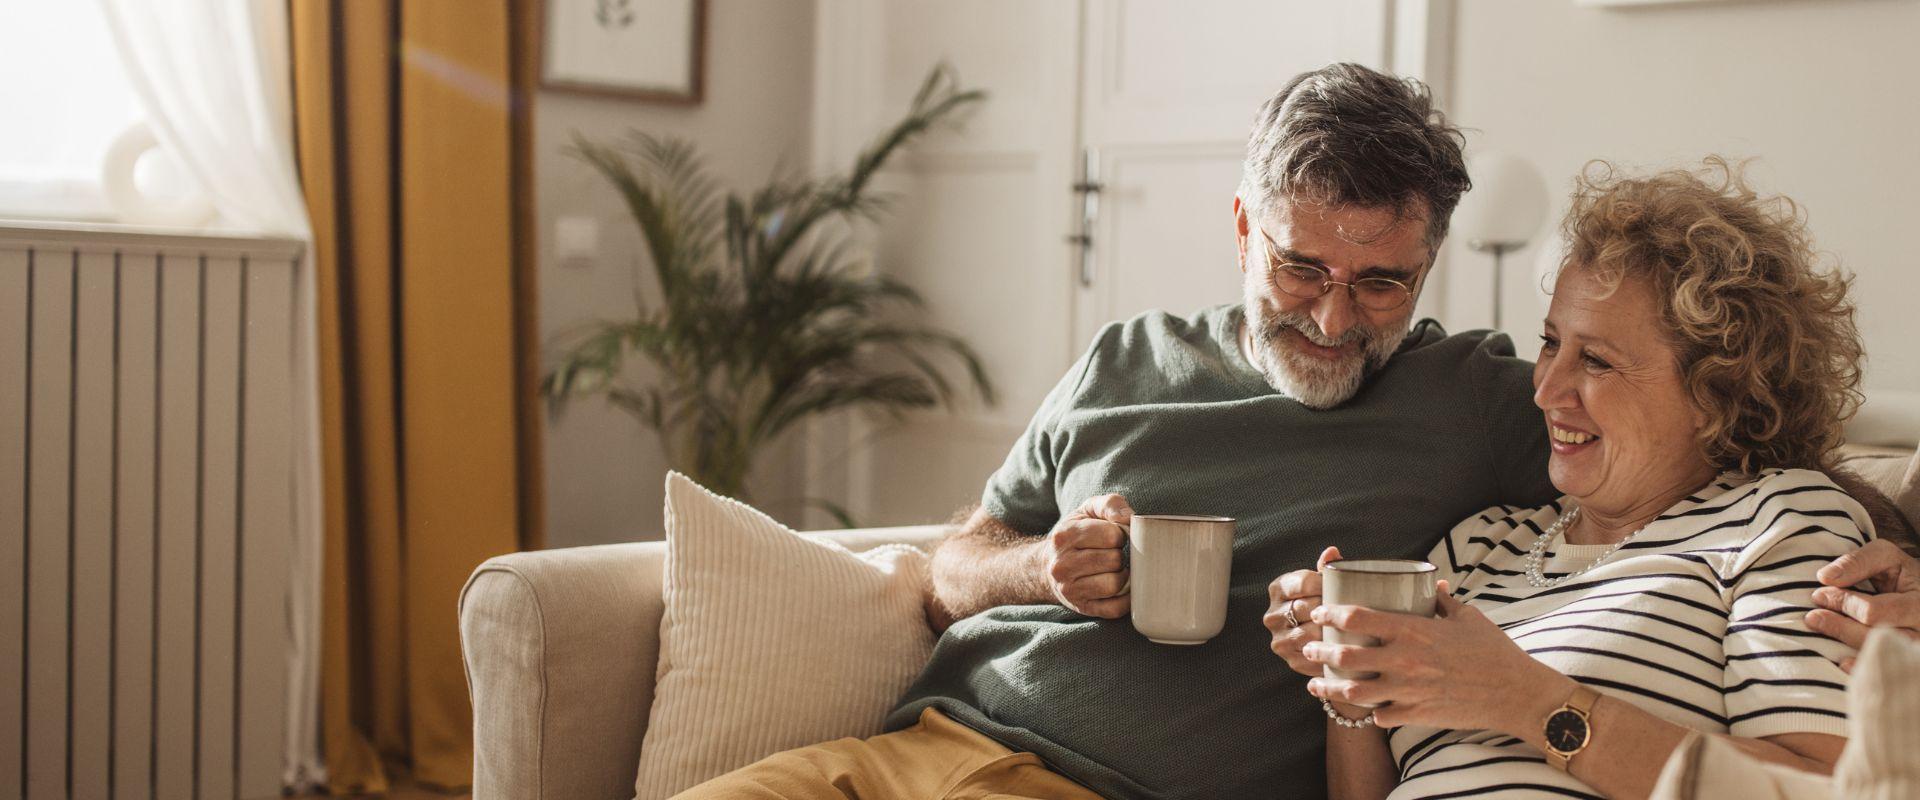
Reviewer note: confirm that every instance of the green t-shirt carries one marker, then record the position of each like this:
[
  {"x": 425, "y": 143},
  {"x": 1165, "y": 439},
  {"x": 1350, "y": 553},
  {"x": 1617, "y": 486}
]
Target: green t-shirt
[{"x": 1168, "y": 413}]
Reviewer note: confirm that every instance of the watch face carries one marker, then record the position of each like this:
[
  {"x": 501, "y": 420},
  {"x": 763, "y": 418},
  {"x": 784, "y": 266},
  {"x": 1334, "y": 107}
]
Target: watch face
[{"x": 1566, "y": 731}]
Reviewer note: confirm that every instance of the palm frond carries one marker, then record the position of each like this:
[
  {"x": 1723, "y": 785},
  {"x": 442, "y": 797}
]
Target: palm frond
[
  {"x": 938, "y": 98},
  {"x": 765, "y": 317},
  {"x": 669, "y": 195},
  {"x": 892, "y": 393},
  {"x": 592, "y": 355},
  {"x": 643, "y": 406}
]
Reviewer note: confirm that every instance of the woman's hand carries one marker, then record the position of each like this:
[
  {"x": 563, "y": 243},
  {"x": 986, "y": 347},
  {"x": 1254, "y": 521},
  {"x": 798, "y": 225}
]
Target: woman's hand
[
  {"x": 1457, "y": 670},
  {"x": 1291, "y": 599}
]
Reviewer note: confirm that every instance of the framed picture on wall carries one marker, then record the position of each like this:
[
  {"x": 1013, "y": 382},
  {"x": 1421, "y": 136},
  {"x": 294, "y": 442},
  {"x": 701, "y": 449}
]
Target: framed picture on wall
[{"x": 641, "y": 49}]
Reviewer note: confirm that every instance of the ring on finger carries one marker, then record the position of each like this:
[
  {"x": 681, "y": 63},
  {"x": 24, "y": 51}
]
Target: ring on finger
[{"x": 1287, "y": 611}]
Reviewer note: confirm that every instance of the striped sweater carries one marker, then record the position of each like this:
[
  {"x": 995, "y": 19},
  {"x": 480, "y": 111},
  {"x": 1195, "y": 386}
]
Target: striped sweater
[{"x": 1698, "y": 620}]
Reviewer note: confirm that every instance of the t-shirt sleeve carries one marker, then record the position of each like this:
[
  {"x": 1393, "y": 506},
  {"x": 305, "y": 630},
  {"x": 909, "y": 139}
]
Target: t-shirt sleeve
[
  {"x": 1781, "y": 676},
  {"x": 1022, "y": 492},
  {"x": 1515, "y": 433}
]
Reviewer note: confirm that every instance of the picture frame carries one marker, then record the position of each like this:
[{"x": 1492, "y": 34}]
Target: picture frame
[{"x": 651, "y": 50}]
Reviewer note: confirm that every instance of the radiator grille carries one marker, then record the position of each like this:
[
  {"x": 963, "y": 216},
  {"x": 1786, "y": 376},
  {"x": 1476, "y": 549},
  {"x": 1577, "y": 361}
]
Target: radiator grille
[{"x": 146, "y": 440}]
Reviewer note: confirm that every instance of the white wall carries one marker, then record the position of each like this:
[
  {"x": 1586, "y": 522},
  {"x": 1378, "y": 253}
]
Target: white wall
[
  {"x": 604, "y": 472},
  {"x": 1822, "y": 92}
]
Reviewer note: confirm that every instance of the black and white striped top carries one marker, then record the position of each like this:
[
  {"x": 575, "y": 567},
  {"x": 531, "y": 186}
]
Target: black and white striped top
[{"x": 1698, "y": 620}]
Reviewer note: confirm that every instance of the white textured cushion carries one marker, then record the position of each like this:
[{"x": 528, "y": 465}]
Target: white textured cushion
[
  {"x": 772, "y": 640},
  {"x": 1882, "y": 759}
]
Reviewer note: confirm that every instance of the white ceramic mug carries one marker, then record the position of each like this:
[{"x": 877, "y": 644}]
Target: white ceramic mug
[
  {"x": 1385, "y": 584},
  {"x": 1179, "y": 566}
]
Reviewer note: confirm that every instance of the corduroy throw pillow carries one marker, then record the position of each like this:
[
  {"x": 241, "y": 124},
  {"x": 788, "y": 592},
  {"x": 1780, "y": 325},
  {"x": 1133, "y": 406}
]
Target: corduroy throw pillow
[{"x": 772, "y": 640}]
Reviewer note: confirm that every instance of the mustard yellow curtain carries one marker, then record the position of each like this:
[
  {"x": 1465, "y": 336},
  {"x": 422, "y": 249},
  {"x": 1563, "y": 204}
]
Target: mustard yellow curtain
[{"x": 412, "y": 145}]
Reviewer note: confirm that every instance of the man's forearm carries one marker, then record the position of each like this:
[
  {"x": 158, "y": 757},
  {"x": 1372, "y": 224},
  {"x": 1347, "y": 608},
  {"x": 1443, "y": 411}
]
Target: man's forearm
[{"x": 983, "y": 565}]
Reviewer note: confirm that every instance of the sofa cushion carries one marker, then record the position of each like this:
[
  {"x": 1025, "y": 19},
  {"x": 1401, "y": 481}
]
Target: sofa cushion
[
  {"x": 1895, "y": 471},
  {"x": 772, "y": 640}
]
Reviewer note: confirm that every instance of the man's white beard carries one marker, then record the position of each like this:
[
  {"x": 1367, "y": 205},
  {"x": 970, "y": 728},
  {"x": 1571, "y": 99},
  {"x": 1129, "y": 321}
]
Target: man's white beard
[{"x": 1314, "y": 381}]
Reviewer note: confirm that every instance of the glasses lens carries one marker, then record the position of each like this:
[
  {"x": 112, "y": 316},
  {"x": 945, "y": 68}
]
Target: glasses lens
[
  {"x": 1380, "y": 294},
  {"x": 1300, "y": 280}
]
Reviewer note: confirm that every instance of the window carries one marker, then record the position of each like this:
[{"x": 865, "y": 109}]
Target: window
[{"x": 66, "y": 99}]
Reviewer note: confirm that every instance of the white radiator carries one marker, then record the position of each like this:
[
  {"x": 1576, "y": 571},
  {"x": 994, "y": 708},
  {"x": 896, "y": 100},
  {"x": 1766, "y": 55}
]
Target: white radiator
[{"x": 146, "y": 517}]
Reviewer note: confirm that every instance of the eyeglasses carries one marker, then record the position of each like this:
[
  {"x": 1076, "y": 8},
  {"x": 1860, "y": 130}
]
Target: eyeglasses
[{"x": 1308, "y": 282}]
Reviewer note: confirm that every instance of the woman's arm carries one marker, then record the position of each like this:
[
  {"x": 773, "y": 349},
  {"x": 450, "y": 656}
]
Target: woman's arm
[
  {"x": 1461, "y": 671},
  {"x": 1628, "y": 747},
  {"x": 1359, "y": 764}
]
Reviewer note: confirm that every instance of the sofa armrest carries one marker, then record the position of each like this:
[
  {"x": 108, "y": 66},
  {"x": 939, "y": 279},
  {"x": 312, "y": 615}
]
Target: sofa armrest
[{"x": 561, "y": 650}]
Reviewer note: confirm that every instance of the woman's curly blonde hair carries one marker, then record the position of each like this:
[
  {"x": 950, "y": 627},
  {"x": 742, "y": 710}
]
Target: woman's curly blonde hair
[{"x": 1767, "y": 346}]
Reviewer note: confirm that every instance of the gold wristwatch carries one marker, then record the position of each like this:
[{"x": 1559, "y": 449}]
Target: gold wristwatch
[{"x": 1570, "y": 728}]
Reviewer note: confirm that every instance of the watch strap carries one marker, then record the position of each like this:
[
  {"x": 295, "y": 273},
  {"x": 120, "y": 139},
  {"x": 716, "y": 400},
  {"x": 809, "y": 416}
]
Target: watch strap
[{"x": 1582, "y": 702}]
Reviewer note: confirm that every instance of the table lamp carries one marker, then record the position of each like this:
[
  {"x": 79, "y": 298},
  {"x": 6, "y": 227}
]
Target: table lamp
[{"x": 1502, "y": 212}]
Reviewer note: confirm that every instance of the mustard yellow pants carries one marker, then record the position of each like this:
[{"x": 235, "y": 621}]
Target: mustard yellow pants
[{"x": 936, "y": 759}]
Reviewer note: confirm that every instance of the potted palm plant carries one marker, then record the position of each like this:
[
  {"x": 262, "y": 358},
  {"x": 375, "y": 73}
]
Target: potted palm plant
[{"x": 766, "y": 317}]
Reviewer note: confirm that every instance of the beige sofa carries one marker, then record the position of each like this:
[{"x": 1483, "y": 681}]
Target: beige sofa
[{"x": 561, "y": 646}]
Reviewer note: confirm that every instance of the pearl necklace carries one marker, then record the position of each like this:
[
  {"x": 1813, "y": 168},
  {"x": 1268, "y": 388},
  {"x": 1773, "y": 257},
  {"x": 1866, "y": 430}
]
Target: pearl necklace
[{"x": 1536, "y": 557}]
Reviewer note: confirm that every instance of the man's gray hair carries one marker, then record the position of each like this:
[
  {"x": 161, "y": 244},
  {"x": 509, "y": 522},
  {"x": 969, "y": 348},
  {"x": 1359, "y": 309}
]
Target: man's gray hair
[{"x": 1347, "y": 135}]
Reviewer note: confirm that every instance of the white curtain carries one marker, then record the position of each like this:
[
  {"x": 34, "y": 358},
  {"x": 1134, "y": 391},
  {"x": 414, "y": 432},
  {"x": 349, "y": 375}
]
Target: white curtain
[{"x": 214, "y": 77}]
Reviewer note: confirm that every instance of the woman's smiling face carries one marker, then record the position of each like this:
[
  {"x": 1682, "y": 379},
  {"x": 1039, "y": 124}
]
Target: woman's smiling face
[{"x": 1623, "y": 429}]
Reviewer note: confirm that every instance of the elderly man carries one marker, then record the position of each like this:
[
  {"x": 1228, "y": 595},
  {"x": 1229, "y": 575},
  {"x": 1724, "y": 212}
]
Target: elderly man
[{"x": 1314, "y": 411}]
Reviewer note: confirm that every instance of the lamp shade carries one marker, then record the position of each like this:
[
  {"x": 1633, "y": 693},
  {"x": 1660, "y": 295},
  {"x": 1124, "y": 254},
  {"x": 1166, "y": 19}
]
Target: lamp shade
[{"x": 1507, "y": 204}]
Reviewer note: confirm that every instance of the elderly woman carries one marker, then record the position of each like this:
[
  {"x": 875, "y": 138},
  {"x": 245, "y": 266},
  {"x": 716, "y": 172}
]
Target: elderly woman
[{"x": 1694, "y": 371}]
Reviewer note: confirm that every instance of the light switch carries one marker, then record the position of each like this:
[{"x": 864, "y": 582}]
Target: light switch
[{"x": 576, "y": 241}]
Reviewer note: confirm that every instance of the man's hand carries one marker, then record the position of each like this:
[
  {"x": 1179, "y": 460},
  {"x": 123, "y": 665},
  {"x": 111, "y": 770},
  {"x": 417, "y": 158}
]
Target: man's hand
[
  {"x": 1297, "y": 591},
  {"x": 1085, "y": 562},
  {"x": 1845, "y": 614}
]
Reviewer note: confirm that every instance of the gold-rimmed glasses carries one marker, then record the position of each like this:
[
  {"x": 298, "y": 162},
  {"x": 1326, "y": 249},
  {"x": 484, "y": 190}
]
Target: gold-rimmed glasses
[{"x": 1307, "y": 282}]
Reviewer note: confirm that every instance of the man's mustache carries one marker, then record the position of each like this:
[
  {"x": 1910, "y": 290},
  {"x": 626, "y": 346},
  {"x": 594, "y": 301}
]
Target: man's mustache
[{"x": 1358, "y": 334}]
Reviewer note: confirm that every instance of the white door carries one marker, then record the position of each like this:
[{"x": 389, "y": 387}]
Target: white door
[
  {"x": 1167, "y": 100},
  {"x": 977, "y": 224}
]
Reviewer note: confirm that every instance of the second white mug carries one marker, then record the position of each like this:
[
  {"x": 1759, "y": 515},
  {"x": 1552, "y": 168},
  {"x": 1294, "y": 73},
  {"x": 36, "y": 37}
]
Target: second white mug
[{"x": 1385, "y": 584}]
